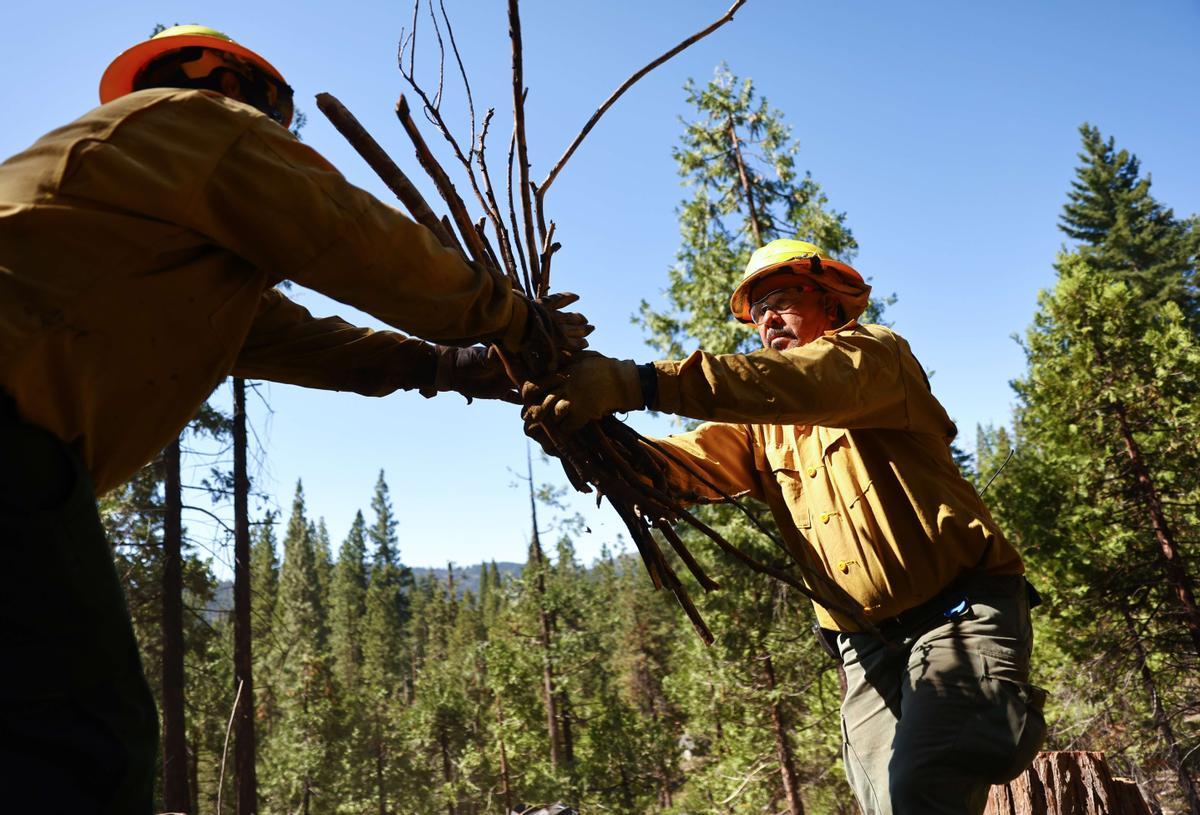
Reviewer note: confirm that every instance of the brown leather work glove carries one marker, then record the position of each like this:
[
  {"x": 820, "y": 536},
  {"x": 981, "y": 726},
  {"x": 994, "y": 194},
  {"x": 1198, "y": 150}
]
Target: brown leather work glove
[
  {"x": 591, "y": 387},
  {"x": 474, "y": 372},
  {"x": 551, "y": 334}
]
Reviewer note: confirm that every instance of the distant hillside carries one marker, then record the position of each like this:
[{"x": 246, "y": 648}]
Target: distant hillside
[{"x": 465, "y": 577}]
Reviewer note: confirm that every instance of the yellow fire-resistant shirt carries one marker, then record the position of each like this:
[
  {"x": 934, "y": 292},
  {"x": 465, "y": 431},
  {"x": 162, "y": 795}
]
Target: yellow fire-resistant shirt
[
  {"x": 846, "y": 444},
  {"x": 138, "y": 249}
]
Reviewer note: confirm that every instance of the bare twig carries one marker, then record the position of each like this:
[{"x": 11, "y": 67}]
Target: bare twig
[
  {"x": 433, "y": 114},
  {"x": 463, "y": 73},
  {"x": 493, "y": 207},
  {"x": 519, "y": 92},
  {"x": 225, "y": 751},
  {"x": 626, "y": 85},
  {"x": 437, "y": 32},
  {"x": 412, "y": 51},
  {"x": 382, "y": 164},
  {"x": 458, "y": 210},
  {"x": 549, "y": 247},
  {"x": 512, "y": 217}
]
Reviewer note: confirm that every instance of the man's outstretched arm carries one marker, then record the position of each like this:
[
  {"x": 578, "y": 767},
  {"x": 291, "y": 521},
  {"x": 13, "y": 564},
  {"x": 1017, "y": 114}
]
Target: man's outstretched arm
[{"x": 287, "y": 344}]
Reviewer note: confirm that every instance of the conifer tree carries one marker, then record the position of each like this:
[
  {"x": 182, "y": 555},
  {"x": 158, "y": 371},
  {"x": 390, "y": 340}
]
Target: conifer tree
[
  {"x": 386, "y": 657},
  {"x": 264, "y": 591},
  {"x": 1101, "y": 495},
  {"x": 301, "y": 737},
  {"x": 348, "y": 597},
  {"x": 1124, "y": 230},
  {"x": 322, "y": 552},
  {"x": 264, "y": 584},
  {"x": 1109, "y": 407}
]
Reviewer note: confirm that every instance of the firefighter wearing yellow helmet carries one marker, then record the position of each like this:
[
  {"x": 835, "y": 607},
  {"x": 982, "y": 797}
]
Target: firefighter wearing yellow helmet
[
  {"x": 834, "y": 426},
  {"x": 140, "y": 248}
]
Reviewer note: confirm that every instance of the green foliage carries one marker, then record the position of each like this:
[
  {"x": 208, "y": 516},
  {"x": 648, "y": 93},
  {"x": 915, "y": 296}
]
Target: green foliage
[
  {"x": 1123, "y": 229},
  {"x": 347, "y": 605},
  {"x": 1108, "y": 415},
  {"x": 297, "y": 751}
]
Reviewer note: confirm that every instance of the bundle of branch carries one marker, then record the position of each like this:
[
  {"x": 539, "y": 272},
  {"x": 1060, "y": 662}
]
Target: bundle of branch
[{"x": 605, "y": 457}]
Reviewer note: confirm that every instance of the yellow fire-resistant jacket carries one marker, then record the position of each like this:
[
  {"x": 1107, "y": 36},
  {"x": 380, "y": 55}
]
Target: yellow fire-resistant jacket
[
  {"x": 846, "y": 444},
  {"x": 138, "y": 249}
]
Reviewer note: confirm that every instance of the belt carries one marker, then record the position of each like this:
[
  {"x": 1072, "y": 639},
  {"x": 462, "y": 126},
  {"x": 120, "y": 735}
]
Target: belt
[{"x": 950, "y": 602}]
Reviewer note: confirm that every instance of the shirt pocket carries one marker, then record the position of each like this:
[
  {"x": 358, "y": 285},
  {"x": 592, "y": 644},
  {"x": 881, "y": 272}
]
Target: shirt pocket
[{"x": 783, "y": 461}]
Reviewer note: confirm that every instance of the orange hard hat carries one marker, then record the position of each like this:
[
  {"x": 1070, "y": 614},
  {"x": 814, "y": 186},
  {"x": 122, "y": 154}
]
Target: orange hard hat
[
  {"x": 803, "y": 261},
  {"x": 120, "y": 76}
]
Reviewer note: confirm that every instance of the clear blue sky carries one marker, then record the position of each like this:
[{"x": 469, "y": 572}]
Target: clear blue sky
[{"x": 947, "y": 131}]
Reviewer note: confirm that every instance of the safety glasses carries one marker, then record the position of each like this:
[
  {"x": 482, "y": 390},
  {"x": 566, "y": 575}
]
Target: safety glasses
[{"x": 781, "y": 301}]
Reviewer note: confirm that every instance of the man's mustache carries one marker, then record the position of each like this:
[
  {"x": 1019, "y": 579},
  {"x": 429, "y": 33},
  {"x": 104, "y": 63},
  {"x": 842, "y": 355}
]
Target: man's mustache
[{"x": 772, "y": 333}]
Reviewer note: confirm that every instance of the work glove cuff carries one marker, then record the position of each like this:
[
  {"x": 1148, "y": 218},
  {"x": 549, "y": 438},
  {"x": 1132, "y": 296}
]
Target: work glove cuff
[
  {"x": 445, "y": 359},
  {"x": 648, "y": 379},
  {"x": 630, "y": 389}
]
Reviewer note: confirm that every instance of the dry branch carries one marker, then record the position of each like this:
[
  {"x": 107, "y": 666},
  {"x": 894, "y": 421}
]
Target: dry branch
[
  {"x": 519, "y": 93},
  {"x": 382, "y": 164},
  {"x": 458, "y": 210},
  {"x": 492, "y": 206},
  {"x": 512, "y": 214},
  {"x": 432, "y": 110}
]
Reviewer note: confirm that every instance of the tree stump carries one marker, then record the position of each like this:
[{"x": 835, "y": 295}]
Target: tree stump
[{"x": 1067, "y": 783}]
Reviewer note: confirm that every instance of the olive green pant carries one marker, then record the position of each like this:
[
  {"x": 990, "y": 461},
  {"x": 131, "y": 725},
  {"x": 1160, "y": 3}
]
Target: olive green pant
[
  {"x": 78, "y": 726},
  {"x": 944, "y": 710}
]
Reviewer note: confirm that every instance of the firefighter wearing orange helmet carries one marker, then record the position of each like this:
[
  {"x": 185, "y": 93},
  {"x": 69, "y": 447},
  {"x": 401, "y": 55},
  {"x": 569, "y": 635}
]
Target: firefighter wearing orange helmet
[
  {"x": 140, "y": 248},
  {"x": 834, "y": 426}
]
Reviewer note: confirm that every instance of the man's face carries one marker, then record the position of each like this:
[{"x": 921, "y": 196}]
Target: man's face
[{"x": 789, "y": 315}]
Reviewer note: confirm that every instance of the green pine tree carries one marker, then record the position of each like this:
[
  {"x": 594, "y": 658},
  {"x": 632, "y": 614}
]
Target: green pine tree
[
  {"x": 386, "y": 653},
  {"x": 1123, "y": 229},
  {"x": 348, "y": 598},
  {"x": 1100, "y": 495},
  {"x": 299, "y": 749},
  {"x": 1108, "y": 414}
]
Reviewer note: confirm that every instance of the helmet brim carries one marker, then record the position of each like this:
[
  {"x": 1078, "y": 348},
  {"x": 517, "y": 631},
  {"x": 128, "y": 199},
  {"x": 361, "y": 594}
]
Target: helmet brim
[
  {"x": 835, "y": 277},
  {"x": 119, "y": 77}
]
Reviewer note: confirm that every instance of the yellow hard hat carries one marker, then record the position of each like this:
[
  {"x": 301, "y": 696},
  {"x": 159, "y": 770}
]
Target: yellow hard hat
[
  {"x": 120, "y": 76},
  {"x": 801, "y": 259}
]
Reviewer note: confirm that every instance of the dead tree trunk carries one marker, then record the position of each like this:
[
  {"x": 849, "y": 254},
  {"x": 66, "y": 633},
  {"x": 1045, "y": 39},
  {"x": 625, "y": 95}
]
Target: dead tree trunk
[
  {"x": 244, "y": 746},
  {"x": 175, "y": 765},
  {"x": 1176, "y": 574},
  {"x": 1165, "y": 732},
  {"x": 783, "y": 750},
  {"x": 1079, "y": 783}
]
